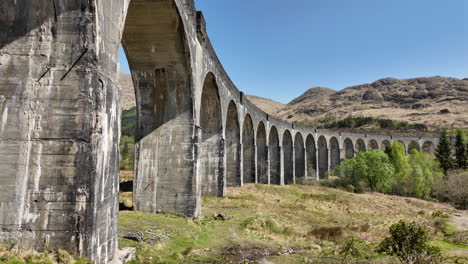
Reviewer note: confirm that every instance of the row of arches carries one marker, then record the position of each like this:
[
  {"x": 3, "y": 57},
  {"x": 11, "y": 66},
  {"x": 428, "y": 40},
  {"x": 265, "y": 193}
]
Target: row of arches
[{"x": 249, "y": 155}]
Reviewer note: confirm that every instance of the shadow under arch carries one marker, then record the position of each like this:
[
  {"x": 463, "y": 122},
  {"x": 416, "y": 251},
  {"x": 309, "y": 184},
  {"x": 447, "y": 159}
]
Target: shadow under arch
[
  {"x": 274, "y": 156},
  {"x": 311, "y": 154},
  {"x": 334, "y": 153},
  {"x": 211, "y": 145},
  {"x": 262, "y": 154},
  {"x": 288, "y": 160},
  {"x": 299, "y": 156},
  {"x": 248, "y": 151},
  {"x": 349, "y": 148},
  {"x": 233, "y": 175}
]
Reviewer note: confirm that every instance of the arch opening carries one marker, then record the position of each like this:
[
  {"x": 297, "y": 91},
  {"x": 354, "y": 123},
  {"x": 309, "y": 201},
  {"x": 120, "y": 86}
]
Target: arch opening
[
  {"x": 164, "y": 108},
  {"x": 428, "y": 147},
  {"x": 288, "y": 160},
  {"x": 311, "y": 153},
  {"x": 299, "y": 157},
  {"x": 232, "y": 132},
  {"x": 384, "y": 145},
  {"x": 322, "y": 157},
  {"x": 360, "y": 145},
  {"x": 274, "y": 157},
  {"x": 372, "y": 145},
  {"x": 414, "y": 145},
  {"x": 210, "y": 156},
  {"x": 349, "y": 148},
  {"x": 248, "y": 150},
  {"x": 262, "y": 154},
  {"x": 335, "y": 153}
]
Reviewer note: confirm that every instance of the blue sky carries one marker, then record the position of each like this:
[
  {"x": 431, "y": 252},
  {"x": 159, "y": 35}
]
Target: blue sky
[{"x": 278, "y": 49}]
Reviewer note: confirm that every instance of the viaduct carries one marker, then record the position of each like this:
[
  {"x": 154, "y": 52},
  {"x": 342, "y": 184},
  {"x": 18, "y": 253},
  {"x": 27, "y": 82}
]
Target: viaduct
[{"x": 196, "y": 132}]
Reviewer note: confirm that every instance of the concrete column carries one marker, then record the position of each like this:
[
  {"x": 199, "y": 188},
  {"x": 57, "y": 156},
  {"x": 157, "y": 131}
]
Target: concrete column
[
  {"x": 281, "y": 160},
  {"x": 241, "y": 163},
  {"x": 329, "y": 159},
  {"x": 268, "y": 164},
  {"x": 317, "y": 162},
  {"x": 305, "y": 164},
  {"x": 256, "y": 164},
  {"x": 294, "y": 164}
]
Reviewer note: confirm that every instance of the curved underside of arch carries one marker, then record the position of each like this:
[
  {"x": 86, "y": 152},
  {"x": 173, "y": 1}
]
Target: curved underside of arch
[
  {"x": 248, "y": 151},
  {"x": 274, "y": 157},
  {"x": 210, "y": 157},
  {"x": 311, "y": 153},
  {"x": 335, "y": 153},
  {"x": 232, "y": 147},
  {"x": 299, "y": 157},
  {"x": 349, "y": 148},
  {"x": 360, "y": 145},
  {"x": 262, "y": 154},
  {"x": 288, "y": 160},
  {"x": 373, "y": 145},
  {"x": 162, "y": 81},
  {"x": 322, "y": 157},
  {"x": 384, "y": 145}
]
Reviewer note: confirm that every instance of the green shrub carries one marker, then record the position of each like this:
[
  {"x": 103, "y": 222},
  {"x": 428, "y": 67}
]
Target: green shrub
[
  {"x": 368, "y": 170},
  {"x": 409, "y": 242}
]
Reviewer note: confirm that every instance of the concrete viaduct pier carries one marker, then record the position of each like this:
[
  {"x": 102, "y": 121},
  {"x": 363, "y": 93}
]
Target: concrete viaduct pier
[{"x": 196, "y": 132}]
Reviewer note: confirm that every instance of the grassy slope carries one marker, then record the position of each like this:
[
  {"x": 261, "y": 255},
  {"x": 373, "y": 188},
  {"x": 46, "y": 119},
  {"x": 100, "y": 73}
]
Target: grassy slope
[{"x": 312, "y": 223}]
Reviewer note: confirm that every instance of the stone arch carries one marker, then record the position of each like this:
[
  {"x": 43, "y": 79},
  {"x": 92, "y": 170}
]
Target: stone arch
[
  {"x": 299, "y": 156},
  {"x": 428, "y": 147},
  {"x": 322, "y": 157},
  {"x": 311, "y": 153},
  {"x": 349, "y": 148},
  {"x": 360, "y": 145},
  {"x": 274, "y": 156},
  {"x": 232, "y": 151},
  {"x": 334, "y": 152},
  {"x": 248, "y": 150},
  {"x": 384, "y": 145},
  {"x": 210, "y": 155},
  {"x": 414, "y": 145},
  {"x": 288, "y": 159},
  {"x": 372, "y": 145},
  {"x": 164, "y": 88},
  {"x": 262, "y": 154}
]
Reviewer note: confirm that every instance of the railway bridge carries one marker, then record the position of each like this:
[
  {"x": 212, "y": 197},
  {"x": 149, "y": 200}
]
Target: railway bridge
[{"x": 196, "y": 131}]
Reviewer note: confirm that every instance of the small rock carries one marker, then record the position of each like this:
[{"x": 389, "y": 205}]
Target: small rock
[
  {"x": 138, "y": 236},
  {"x": 220, "y": 217},
  {"x": 123, "y": 255}
]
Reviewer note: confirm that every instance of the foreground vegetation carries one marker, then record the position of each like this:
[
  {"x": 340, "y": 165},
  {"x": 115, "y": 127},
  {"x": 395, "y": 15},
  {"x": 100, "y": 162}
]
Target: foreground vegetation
[{"x": 291, "y": 224}]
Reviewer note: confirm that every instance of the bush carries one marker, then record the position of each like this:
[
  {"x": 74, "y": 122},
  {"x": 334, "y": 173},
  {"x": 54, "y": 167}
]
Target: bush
[
  {"x": 455, "y": 189},
  {"x": 371, "y": 170},
  {"x": 409, "y": 242}
]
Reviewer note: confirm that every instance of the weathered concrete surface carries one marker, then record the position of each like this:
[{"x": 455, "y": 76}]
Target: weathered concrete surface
[{"x": 60, "y": 124}]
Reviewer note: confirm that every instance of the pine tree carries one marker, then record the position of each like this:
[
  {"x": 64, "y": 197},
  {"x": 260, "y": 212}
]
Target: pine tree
[
  {"x": 444, "y": 153},
  {"x": 461, "y": 153}
]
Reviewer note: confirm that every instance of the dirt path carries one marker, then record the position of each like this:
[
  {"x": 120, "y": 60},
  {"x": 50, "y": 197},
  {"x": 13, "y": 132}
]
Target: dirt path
[{"x": 460, "y": 221}]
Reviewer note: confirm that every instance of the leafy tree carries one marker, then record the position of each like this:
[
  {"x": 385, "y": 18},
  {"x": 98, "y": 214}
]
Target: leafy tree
[
  {"x": 396, "y": 154},
  {"x": 461, "y": 152},
  {"x": 444, "y": 153},
  {"x": 371, "y": 169},
  {"x": 425, "y": 173}
]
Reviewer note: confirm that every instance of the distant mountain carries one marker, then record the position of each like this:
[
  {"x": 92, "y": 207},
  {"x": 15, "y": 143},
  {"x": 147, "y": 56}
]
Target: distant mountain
[
  {"x": 128, "y": 93},
  {"x": 267, "y": 105},
  {"x": 433, "y": 101}
]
